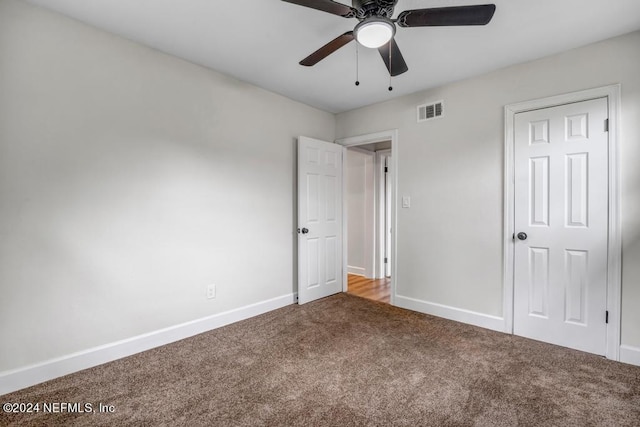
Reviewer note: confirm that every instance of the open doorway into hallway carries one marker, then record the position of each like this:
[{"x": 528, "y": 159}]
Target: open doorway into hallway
[{"x": 368, "y": 198}]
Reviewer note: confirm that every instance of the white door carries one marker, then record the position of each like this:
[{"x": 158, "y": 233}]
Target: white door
[
  {"x": 561, "y": 225},
  {"x": 319, "y": 219}
]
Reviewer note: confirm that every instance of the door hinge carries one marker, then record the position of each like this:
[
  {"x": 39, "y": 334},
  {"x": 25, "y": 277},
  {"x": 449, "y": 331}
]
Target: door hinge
[
  {"x": 606, "y": 316},
  {"x": 386, "y": 260},
  {"x": 386, "y": 169},
  {"x": 606, "y": 125}
]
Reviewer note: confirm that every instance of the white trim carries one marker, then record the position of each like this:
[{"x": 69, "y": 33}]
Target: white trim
[
  {"x": 452, "y": 313},
  {"x": 359, "y": 271},
  {"x": 381, "y": 215},
  {"x": 345, "y": 221},
  {"x": 370, "y": 216},
  {"x": 387, "y": 135},
  {"x": 509, "y": 218},
  {"x": 30, "y": 375},
  {"x": 614, "y": 245},
  {"x": 630, "y": 355}
]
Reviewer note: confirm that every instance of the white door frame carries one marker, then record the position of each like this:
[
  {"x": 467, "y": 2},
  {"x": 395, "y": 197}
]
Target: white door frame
[
  {"x": 387, "y": 135},
  {"x": 614, "y": 245},
  {"x": 381, "y": 223}
]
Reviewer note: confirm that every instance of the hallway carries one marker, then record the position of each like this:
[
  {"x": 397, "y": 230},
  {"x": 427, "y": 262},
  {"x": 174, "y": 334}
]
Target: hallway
[{"x": 373, "y": 289}]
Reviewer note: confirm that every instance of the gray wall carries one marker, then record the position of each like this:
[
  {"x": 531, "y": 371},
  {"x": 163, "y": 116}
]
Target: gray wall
[
  {"x": 129, "y": 181},
  {"x": 450, "y": 240}
]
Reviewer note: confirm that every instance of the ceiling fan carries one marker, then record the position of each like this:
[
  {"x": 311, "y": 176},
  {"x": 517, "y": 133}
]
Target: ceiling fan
[{"x": 376, "y": 28}]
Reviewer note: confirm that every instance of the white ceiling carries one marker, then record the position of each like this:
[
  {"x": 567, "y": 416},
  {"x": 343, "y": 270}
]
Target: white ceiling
[{"x": 262, "y": 41}]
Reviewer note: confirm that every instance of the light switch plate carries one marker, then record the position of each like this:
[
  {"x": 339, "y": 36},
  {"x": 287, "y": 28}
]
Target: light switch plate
[{"x": 406, "y": 201}]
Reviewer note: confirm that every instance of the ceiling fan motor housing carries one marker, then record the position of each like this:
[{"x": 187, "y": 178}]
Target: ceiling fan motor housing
[{"x": 368, "y": 8}]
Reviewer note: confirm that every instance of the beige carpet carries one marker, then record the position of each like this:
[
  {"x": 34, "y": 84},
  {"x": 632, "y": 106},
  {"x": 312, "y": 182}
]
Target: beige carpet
[{"x": 345, "y": 361}]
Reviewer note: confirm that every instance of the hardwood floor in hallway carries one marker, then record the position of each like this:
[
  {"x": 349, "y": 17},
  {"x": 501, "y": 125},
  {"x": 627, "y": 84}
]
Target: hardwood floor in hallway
[{"x": 374, "y": 289}]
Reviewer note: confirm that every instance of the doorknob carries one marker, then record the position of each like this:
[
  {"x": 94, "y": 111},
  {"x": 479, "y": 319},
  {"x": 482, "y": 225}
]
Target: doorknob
[
  {"x": 522, "y": 236},
  {"x": 303, "y": 231}
]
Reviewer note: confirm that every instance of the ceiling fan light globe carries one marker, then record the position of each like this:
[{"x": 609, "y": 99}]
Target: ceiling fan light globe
[{"x": 374, "y": 32}]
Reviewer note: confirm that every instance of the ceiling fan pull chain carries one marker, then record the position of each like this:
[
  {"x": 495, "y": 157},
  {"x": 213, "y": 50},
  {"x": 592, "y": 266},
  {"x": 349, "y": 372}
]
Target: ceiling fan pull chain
[
  {"x": 357, "y": 67},
  {"x": 390, "y": 64}
]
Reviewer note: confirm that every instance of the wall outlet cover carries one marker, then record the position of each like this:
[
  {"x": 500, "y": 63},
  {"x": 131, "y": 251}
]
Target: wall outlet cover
[{"x": 211, "y": 291}]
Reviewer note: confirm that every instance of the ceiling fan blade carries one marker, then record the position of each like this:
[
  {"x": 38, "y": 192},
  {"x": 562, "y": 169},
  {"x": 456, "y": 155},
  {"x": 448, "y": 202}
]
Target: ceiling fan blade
[
  {"x": 327, "y": 49},
  {"x": 442, "y": 16},
  {"x": 327, "y": 6},
  {"x": 396, "y": 65}
]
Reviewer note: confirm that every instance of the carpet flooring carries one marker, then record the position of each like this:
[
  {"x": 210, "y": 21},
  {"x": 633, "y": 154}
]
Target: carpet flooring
[{"x": 347, "y": 361}]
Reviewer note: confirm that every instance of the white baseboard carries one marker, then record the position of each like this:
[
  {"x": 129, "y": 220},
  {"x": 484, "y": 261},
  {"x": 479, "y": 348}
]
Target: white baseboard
[
  {"x": 30, "y": 375},
  {"x": 452, "y": 313},
  {"x": 355, "y": 270},
  {"x": 630, "y": 355}
]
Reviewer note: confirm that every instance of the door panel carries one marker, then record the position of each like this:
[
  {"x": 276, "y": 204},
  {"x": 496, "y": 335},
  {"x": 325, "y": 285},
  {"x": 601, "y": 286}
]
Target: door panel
[
  {"x": 577, "y": 189},
  {"x": 319, "y": 219},
  {"x": 561, "y": 203},
  {"x": 539, "y": 190},
  {"x": 539, "y": 282}
]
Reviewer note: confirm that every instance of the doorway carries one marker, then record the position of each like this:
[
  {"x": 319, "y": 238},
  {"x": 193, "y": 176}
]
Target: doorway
[
  {"x": 368, "y": 205},
  {"x": 562, "y": 235},
  {"x": 369, "y": 215}
]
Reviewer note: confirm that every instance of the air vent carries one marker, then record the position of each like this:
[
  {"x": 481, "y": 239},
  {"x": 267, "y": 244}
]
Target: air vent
[{"x": 430, "y": 111}]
